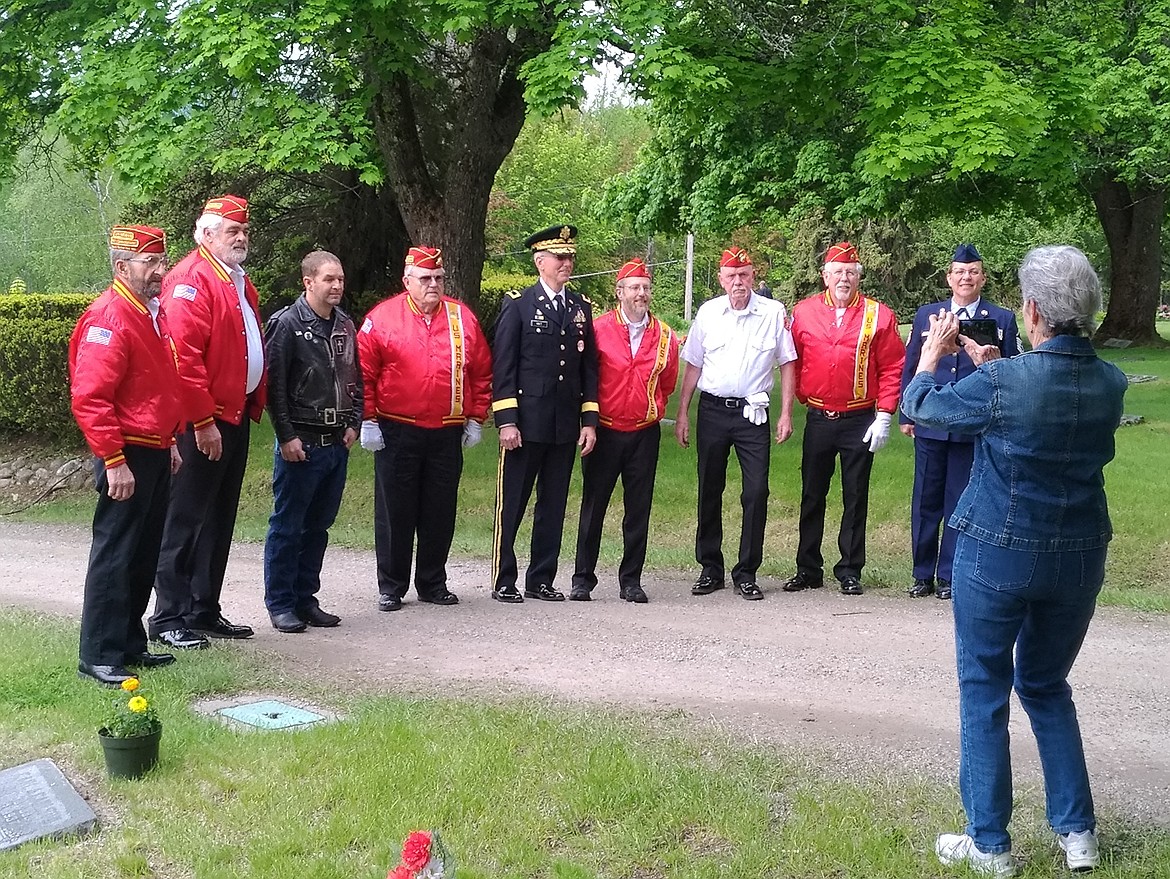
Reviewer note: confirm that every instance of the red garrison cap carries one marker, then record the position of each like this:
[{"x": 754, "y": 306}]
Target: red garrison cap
[
  {"x": 635, "y": 268},
  {"x": 423, "y": 257},
  {"x": 138, "y": 239},
  {"x": 735, "y": 256},
  {"x": 842, "y": 252},
  {"x": 230, "y": 207}
]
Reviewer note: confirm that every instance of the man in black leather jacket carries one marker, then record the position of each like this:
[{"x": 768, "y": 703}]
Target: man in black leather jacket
[{"x": 315, "y": 402}]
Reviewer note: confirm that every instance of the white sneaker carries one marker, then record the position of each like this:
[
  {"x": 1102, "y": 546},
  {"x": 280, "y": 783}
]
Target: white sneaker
[
  {"x": 959, "y": 848},
  {"x": 1080, "y": 849}
]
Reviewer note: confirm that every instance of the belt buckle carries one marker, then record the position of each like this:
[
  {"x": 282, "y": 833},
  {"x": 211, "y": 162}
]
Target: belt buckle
[
  {"x": 330, "y": 417},
  {"x": 730, "y": 403},
  {"x": 326, "y": 439},
  {"x": 832, "y": 416}
]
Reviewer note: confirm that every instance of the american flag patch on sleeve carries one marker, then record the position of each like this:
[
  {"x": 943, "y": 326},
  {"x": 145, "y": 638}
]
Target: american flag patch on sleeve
[
  {"x": 184, "y": 291},
  {"x": 99, "y": 335}
]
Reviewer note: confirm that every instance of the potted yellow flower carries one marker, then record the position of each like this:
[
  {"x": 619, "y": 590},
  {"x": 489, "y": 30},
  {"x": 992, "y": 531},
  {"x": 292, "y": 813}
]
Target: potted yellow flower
[{"x": 130, "y": 734}]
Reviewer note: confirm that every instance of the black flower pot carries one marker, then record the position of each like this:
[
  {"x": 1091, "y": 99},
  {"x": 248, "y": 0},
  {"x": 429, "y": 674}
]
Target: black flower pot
[{"x": 129, "y": 757}]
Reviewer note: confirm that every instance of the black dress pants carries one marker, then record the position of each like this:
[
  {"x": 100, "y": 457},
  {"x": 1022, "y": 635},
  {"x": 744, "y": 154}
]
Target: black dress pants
[
  {"x": 123, "y": 558},
  {"x": 633, "y": 456},
  {"x": 719, "y": 429},
  {"x": 549, "y": 467},
  {"x": 416, "y": 492},
  {"x": 205, "y": 496},
  {"x": 824, "y": 439}
]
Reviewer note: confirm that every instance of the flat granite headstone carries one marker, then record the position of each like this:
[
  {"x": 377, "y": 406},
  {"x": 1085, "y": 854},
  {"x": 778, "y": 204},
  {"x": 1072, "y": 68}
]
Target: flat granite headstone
[{"x": 37, "y": 801}]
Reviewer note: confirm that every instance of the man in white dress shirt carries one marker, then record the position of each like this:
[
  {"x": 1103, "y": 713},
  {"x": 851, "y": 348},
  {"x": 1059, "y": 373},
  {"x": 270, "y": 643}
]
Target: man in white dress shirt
[{"x": 733, "y": 346}]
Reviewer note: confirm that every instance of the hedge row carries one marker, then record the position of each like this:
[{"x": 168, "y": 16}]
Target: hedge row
[
  {"x": 34, "y": 349},
  {"x": 34, "y": 370}
]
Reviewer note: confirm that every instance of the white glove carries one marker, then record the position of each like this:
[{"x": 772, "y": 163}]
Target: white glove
[
  {"x": 756, "y": 410},
  {"x": 372, "y": 436},
  {"x": 878, "y": 433},
  {"x": 472, "y": 434}
]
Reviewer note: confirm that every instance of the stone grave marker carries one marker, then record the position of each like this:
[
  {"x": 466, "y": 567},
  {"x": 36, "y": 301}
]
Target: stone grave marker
[{"x": 37, "y": 801}]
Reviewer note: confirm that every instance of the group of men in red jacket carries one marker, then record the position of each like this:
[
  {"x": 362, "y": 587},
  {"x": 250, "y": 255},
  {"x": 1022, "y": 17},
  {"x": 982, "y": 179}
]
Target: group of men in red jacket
[{"x": 168, "y": 369}]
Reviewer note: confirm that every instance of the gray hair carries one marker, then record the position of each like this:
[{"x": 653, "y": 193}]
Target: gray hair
[
  {"x": 205, "y": 222},
  {"x": 116, "y": 255},
  {"x": 1061, "y": 284}
]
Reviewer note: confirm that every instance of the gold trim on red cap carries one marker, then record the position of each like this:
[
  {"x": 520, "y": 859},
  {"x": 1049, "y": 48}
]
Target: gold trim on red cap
[
  {"x": 230, "y": 207},
  {"x": 138, "y": 239}
]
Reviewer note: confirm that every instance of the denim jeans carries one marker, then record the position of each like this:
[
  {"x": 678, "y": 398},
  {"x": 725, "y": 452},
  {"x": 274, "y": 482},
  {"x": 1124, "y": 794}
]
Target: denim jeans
[
  {"x": 306, "y": 497},
  {"x": 1040, "y": 604}
]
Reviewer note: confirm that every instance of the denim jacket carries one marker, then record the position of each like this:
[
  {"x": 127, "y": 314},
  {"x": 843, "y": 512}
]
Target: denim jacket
[{"x": 1044, "y": 424}]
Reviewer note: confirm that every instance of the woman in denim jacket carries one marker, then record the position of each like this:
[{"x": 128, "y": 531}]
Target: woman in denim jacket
[{"x": 1033, "y": 528}]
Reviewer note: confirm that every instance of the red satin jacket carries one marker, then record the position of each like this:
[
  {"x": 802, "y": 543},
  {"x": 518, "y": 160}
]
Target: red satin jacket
[
  {"x": 123, "y": 377},
  {"x": 435, "y": 375},
  {"x": 632, "y": 390}
]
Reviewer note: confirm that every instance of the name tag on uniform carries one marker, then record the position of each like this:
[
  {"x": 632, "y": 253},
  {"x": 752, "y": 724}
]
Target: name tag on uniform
[{"x": 539, "y": 324}]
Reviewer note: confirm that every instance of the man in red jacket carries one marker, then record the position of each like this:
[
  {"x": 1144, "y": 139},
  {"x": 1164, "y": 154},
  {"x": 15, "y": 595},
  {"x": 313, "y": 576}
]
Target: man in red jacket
[
  {"x": 427, "y": 377},
  {"x": 214, "y": 314},
  {"x": 849, "y": 375},
  {"x": 125, "y": 396},
  {"x": 637, "y": 371}
]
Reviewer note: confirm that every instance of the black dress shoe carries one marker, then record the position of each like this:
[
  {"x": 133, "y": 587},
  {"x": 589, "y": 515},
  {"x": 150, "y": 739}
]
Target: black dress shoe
[
  {"x": 314, "y": 616},
  {"x": 750, "y": 591},
  {"x": 389, "y": 602},
  {"x": 149, "y": 660},
  {"x": 707, "y": 584},
  {"x": 508, "y": 594},
  {"x": 106, "y": 675},
  {"x": 445, "y": 598},
  {"x": 635, "y": 594},
  {"x": 850, "y": 586},
  {"x": 544, "y": 592},
  {"x": 287, "y": 621},
  {"x": 221, "y": 628},
  {"x": 922, "y": 587},
  {"x": 581, "y": 593},
  {"x": 944, "y": 590},
  {"x": 181, "y": 639},
  {"x": 802, "y": 580}
]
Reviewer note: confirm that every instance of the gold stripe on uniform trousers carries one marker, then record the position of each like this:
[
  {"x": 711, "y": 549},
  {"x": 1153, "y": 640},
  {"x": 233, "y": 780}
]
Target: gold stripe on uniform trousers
[{"x": 499, "y": 515}]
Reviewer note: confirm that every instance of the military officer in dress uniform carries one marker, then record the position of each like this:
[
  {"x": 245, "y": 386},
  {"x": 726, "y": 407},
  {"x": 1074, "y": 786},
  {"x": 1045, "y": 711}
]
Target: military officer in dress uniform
[
  {"x": 126, "y": 399},
  {"x": 942, "y": 461},
  {"x": 544, "y": 397},
  {"x": 637, "y": 371}
]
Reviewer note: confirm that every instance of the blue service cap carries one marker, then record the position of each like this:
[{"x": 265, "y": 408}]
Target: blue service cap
[{"x": 966, "y": 253}]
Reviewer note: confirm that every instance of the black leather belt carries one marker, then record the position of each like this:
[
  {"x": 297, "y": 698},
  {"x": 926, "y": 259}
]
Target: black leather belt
[
  {"x": 833, "y": 416},
  {"x": 725, "y": 402},
  {"x": 316, "y": 438}
]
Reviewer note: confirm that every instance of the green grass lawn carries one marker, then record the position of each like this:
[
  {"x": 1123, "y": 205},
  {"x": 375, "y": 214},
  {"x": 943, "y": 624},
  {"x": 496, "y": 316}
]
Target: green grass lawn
[
  {"x": 1138, "y": 482},
  {"x": 521, "y": 789}
]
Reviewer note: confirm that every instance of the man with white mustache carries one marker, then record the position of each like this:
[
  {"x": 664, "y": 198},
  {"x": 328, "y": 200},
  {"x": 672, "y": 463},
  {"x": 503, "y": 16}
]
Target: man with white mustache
[
  {"x": 215, "y": 323},
  {"x": 849, "y": 377},
  {"x": 732, "y": 350}
]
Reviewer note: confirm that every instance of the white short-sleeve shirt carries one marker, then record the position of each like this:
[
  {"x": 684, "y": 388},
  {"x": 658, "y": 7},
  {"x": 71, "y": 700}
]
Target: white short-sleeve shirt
[{"x": 738, "y": 350}]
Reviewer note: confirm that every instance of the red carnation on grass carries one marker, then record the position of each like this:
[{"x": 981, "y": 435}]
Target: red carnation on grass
[{"x": 416, "y": 851}]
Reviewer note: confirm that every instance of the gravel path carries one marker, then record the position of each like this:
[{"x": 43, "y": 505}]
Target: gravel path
[{"x": 866, "y": 681}]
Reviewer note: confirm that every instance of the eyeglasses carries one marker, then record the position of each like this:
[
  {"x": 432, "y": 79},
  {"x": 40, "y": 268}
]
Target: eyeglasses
[
  {"x": 152, "y": 261},
  {"x": 427, "y": 280},
  {"x": 967, "y": 273}
]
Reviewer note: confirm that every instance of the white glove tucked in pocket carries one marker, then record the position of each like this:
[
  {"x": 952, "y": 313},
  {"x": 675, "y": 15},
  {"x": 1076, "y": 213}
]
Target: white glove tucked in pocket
[
  {"x": 372, "y": 436},
  {"x": 756, "y": 410}
]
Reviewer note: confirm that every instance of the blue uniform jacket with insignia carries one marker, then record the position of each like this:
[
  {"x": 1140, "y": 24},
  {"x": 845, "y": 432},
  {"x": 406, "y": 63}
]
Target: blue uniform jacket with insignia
[
  {"x": 544, "y": 366},
  {"x": 956, "y": 366}
]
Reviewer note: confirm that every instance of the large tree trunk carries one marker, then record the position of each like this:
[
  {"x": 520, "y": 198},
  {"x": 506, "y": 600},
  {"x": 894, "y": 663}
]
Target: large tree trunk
[
  {"x": 1132, "y": 221},
  {"x": 444, "y": 142}
]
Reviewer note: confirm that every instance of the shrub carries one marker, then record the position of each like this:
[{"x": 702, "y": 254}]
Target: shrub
[{"x": 34, "y": 362}]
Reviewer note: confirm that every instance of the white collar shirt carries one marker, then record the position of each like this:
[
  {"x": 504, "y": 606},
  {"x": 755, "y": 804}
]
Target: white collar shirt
[
  {"x": 737, "y": 351},
  {"x": 557, "y": 297},
  {"x": 637, "y": 330},
  {"x": 255, "y": 340},
  {"x": 972, "y": 308}
]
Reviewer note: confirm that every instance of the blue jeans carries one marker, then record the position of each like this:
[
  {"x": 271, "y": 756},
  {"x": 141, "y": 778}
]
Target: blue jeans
[
  {"x": 306, "y": 498},
  {"x": 1040, "y": 604}
]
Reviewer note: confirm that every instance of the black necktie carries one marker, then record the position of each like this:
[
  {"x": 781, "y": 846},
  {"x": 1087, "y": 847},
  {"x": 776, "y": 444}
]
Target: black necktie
[{"x": 963, "y": 314}]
